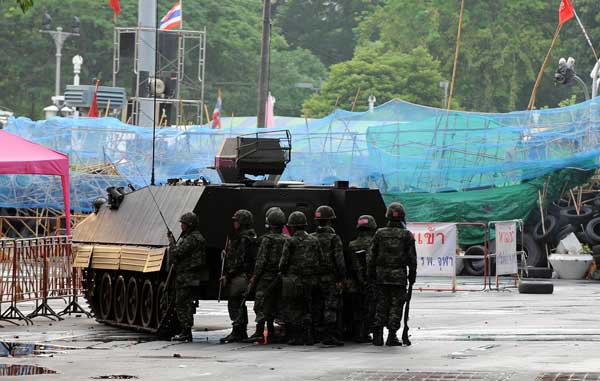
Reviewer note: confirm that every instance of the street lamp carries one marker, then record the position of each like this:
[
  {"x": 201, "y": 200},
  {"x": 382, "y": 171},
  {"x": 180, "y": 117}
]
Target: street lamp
[
  {"x": 565, "y": 74},
  {"x": 59, "y": 38}
]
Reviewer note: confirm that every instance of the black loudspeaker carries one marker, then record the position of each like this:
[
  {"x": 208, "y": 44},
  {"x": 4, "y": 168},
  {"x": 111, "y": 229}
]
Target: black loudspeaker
[
  {"x": 127, "y": 46},
  {"x": 144, "y": 89},
  {"x": 167, "y": 46}
]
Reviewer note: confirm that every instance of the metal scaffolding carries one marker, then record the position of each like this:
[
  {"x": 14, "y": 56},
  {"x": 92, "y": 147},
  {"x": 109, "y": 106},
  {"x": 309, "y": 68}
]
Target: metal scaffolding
[{"x": 188, "y": 98}]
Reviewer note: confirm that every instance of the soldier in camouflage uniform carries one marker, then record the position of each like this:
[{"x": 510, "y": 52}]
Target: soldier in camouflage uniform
[
  {"x": 392, "y": 252},
  {"x": 333, "y": 273},
  {"x": 188, "y": 257},
  {"x": 359, "y": 297},
  {"x": 266, "y": 271},
  {"x": 239, "y": 264},
  {"x": 299, "y": 267}
]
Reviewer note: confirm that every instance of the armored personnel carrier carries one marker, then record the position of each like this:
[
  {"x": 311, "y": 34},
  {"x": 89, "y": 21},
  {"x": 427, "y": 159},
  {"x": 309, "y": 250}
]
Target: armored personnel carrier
[{"x": 123, "y": 247}]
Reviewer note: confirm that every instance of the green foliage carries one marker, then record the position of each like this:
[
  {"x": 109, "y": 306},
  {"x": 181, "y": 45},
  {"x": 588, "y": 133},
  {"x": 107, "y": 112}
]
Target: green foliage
[
  {"x": 24, "y": 4},
  {"x": 324, "y": 27},
  {"x": 387, "y": 48},
  {"x": 568, "y": 102},
  {"x": 503, "y": 45},
  {"x": 412, "y": 76},
  {"x": 233, "y": 49}
]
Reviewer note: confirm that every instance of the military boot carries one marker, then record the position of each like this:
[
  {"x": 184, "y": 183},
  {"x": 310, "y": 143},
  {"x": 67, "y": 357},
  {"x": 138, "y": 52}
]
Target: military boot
[
  {"x": 184, "y": 335},
  {"x": 330, "y": 339},
  {"x": 271, "y": 332},
  {"x": 361, "y": 334},
  {"x": 378, "y": 336},
  {"x": 294, "y": 336},
  {"x": 308, "y": 337},
  {"x": 258, "y": 336},
  {"x": 392, "y": 339},
  {"x": 237, "y": 334}
]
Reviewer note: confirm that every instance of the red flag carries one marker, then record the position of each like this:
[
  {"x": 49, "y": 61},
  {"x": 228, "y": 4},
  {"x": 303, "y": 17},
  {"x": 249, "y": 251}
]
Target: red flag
[
  {"x": 114, "y": 4},
  {"x": 566, "y": 11},
  {"x": 93, "y": 113},
  {"x": 216, "y": 116}
]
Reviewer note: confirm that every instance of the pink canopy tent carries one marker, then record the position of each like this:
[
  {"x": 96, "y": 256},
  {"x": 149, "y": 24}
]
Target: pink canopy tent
[{"x": 22, "y": 157}]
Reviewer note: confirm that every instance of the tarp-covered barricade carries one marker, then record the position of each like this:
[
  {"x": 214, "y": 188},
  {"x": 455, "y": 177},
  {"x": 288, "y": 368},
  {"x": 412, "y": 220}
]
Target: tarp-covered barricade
[{"x": 412, "y": 153}]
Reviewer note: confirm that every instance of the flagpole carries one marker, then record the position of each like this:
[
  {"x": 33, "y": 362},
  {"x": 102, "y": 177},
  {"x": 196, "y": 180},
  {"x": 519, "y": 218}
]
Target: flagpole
[
  {"x": 585, "y": 34},
  {"x": 531, "y": 104},
  {"x": 181, "y": 12}
]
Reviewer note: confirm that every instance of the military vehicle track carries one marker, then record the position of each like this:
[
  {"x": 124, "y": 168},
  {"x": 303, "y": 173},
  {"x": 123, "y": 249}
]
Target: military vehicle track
[{"x": 131, "y": 300}]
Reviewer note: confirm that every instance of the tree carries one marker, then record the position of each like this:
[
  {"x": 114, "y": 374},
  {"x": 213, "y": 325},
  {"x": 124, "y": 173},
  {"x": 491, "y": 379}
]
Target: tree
[
  {"x": 412, "y": 76},
  {"x": 233, "y": 47},
  {"x": 501, "y": 48},
  {"x": 324, "y": 27},
  {"x": 288, "y": 68}
]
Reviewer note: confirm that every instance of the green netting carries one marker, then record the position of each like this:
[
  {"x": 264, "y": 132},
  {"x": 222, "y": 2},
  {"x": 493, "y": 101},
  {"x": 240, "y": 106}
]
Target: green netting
[{"x": 494, "y": 204}]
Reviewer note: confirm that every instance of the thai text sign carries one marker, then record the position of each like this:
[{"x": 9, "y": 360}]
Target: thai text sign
[
  {"x": 436, "y": 248},
  {"x": 506, "y": 248}
]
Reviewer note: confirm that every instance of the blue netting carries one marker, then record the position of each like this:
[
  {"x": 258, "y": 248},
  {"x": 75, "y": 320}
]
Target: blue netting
[{"x": 400, "y": 147}]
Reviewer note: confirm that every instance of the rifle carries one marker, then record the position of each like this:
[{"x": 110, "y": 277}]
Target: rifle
[
  {"x": 405, "y": 339},
  {"x": 166, "y": 296},
  {"x": 223, "y": 254}
]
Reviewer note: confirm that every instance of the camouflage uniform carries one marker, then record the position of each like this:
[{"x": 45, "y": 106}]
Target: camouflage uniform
[
  {"x": 358, "y": 289},
  {"x": 299, "y": 267},
  {"x": 239, "y": 263},
  {"x": 188, "y": 256},
  {"x": 333, "y": 272},
  {"x": 392, "y": 251},
  {"x": 265, "y": 273}
]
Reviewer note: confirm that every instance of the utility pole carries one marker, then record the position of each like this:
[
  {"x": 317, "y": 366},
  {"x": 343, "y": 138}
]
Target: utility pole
[{"x": 263, "y": 79}]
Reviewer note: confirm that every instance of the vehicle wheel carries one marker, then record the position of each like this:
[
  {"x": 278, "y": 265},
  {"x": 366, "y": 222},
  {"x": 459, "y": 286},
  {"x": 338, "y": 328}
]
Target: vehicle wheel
[
  {"x": 592, "y": 230},
  {"x": 535, "y": 256},
  {"x": 539, "y": 287},
  {"x": 539, "y": 272},
  {"x": 162, "y": 302},
  {"x": 133, "y": 300},
  {"x": 585, "y": 214},
  {"x": 596, "y": 204},
  {"x": 474, "y": 267},
  {"x": 119, "y": 300},
  {"x": 551, "y": 225},
  {"x": 147, "y": 301},
  {"x": 105, "y": 297}
]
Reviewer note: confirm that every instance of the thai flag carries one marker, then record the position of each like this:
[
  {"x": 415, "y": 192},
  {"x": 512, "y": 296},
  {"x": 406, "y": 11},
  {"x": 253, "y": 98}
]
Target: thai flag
[
  {"x": 173, "y": 18},
  {"x": 216, "y": 116}
]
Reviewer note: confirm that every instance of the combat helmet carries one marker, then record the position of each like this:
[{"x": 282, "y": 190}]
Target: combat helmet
[
  {"x": 395, "y": 212},
  {"x": 244, "y": 217},
  {"x": 296, "y": 220},
  {"x": 190, "y": 219},
  {"x": 366, "y": 222},
  {"x": 275, "y": 217},
  {"x": 324, "y": 212}
]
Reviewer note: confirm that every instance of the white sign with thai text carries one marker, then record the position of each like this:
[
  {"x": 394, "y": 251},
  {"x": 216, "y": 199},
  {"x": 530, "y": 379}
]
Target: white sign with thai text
[
  {"x": 506, "y": 248},
  {"x": 436, "y": 248}
]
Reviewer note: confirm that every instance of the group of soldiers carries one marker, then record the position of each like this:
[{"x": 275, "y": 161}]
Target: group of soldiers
[{"x": 304, "y": 280}]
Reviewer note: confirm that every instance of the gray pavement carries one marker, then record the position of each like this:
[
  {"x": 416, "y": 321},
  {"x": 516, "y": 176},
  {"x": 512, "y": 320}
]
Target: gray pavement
[{"x": 483, "y": 335}]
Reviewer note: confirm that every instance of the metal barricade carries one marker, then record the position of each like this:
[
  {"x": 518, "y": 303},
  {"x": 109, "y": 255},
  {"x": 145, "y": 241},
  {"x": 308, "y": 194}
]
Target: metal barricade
[{"x": 37, "y": 270}]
